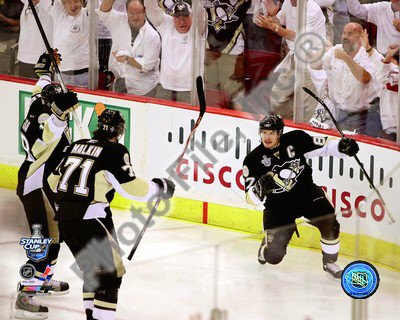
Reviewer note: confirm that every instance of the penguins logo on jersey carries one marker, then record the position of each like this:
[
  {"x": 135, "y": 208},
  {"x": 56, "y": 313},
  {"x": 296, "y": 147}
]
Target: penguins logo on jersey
[
  {"x": 222, "y": 14},
  {"x": 286, "y": 175}
]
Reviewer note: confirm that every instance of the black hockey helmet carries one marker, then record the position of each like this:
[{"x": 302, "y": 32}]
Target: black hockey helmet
[
  {"x": 111, "y": 123},
  {"x": 272, "y": 122},
  {"x": 50, "y": 92}
]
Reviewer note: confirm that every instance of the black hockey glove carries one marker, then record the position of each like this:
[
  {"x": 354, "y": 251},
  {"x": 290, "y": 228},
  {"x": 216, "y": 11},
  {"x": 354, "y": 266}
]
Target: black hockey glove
[
  {"x": 167, "y": 187},
  {"x": 43, "y": 66},
  {"x": 348, "y": 146},
  {"x": 63, "y": 104},
  {"x": 264, "y": 185}
]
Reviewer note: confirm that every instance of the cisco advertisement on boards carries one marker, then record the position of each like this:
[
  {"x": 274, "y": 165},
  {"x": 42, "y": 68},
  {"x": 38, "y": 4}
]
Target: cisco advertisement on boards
[{"x": 211, "y": 169}]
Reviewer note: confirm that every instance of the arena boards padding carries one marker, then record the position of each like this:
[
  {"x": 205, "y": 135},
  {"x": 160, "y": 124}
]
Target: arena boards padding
[{"x": 210, "y": 190}]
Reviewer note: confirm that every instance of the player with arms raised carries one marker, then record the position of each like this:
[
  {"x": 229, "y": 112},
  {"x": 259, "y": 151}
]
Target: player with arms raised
[
  {"x": 86, "y": 180},
  {"x": 44, "y": 135},
  {"x": 277, "y": 175}
]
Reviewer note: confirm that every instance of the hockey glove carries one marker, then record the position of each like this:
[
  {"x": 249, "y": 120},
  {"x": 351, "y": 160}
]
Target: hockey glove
[
  {"x": 63, "y": 104},
  {"x": 44, "y": 65},
  {"x": 348, "y": 146},
  {"x": 166, "y": 187},
  {"x": 264, "y": 185}
]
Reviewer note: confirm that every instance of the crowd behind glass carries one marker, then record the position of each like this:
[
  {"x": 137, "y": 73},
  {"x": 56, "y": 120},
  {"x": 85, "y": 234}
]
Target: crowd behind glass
[{"x": 246, "y": 50}]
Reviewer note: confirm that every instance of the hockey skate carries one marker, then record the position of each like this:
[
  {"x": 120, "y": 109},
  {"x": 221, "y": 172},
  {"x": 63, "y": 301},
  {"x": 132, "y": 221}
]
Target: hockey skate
[
  {"x": 333, "y": 270},
  {"x": 26, "y": 308},
  {"x": 49, "y": 287},
  {"x": 56, "y": 288},
  {"x": 261, "y": 250}
]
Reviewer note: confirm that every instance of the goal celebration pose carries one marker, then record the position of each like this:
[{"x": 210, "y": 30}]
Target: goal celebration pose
[
  {"x": 44, "y": 134},
  {"x": 278, "y": 176}
]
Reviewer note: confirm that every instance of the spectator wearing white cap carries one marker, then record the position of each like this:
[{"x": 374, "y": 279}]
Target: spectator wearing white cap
[{"x": 176, "y": 52}]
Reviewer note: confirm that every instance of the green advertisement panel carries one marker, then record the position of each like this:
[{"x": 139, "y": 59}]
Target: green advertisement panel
[{"x": 86, "y": 112}]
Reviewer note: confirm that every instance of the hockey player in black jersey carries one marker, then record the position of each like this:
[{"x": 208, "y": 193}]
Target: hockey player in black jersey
[
  {"x": 277, "y": 175},
  {"x": 86, "y": 179},
  {"x": 44, "y": 134}
]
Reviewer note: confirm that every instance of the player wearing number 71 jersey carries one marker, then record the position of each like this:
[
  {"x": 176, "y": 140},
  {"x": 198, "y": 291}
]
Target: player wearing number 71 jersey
[
  {"x": 85, "y": 181},
  {"x": 277, "y": 175}
]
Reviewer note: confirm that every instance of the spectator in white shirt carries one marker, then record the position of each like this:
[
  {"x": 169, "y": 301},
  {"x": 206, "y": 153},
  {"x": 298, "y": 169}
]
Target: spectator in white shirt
[
  {"x": 350, "y": 72},
  {"x": 30, "y": 43},
  {"x": 71, "y": 37},
  {"x": 327, "y": 10},
  {"x": 176, "y": 52},
  {"x": 282, "y": 92},
  {"x": 104, "y": 37},
  {"x": 388, "y": 75},
  {"x": 135, "y": 57},
  {"x": 385, "y": 15}
]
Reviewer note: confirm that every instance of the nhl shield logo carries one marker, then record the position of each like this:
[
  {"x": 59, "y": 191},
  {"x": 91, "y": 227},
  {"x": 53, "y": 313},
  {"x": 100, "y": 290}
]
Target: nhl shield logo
[{"x": 266, "y": 161}]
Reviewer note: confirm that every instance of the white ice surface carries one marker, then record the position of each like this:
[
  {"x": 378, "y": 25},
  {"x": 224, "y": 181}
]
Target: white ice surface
[{"x": 172, "y": 276}]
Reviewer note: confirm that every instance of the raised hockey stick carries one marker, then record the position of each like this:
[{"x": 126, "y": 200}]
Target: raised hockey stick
[
  {"x": 54, "y": 62},
  {"x": 391, "y": 219},
  {"x": 202, "y": 103}
]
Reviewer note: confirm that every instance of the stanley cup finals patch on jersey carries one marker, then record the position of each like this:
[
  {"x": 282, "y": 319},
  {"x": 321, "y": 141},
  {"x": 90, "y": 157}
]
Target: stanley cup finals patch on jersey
[{"x": 266, "y": 161}]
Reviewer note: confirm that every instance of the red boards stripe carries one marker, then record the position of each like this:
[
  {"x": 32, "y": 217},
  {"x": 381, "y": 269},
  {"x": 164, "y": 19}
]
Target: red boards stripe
[{"x": 205, "y": 212}]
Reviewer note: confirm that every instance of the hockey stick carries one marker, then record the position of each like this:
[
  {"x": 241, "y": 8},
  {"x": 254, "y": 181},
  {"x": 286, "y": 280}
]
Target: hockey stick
[
  {"x": 391, "y": 219},
  {"x": 54, "y": 62},
  {"x": 202, "y": 103}
]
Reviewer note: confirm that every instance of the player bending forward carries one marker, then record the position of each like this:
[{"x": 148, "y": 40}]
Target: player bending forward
[
  {"x": 277, "y": 175},
  {"x": 85, "y": 181}
]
